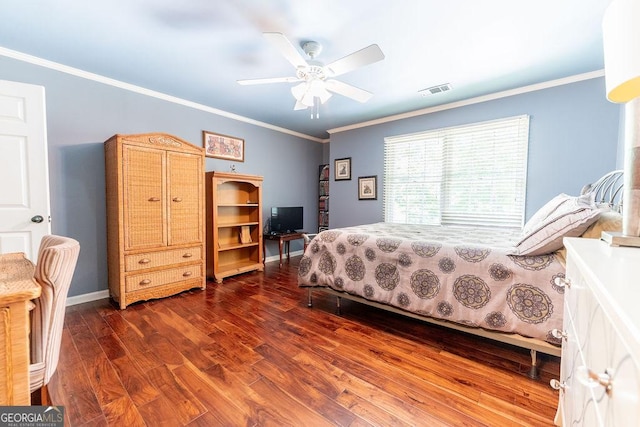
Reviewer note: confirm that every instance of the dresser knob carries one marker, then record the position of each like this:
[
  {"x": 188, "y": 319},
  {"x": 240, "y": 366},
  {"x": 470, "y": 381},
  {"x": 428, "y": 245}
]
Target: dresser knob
[
  {"x": 557, "y": 385},
  {"x": 558, "y": 334},
  {"x": 154, "y": 199},
  {"x": 591, "y": 379},
  {"x": 187, "y": 255},
  {"x": 177, "y": 199},
  {"x": 144, "y": 261},
  {"x": 145, "y": 282},
  {"x": 562, "y": 282},
  {"x": 187, "y": 273}
]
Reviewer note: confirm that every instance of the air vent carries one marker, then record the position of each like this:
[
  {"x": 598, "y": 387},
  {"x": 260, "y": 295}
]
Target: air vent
[{"x": 433, "y": 90}]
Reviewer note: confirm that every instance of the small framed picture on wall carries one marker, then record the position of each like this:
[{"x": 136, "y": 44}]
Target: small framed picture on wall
[
  {"x": 368, "y": 187},
  {"x": 342, "y": 169},
  {"x": 223, "y": 146}
]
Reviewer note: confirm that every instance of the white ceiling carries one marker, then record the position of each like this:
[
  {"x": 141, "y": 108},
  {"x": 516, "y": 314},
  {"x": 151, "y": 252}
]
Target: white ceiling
[{"x": 197, "y": 49}]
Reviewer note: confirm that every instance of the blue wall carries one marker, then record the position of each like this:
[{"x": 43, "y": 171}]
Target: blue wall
[
  {"x": 573, "y": 133},
  {"x": 82, "y": 114}
]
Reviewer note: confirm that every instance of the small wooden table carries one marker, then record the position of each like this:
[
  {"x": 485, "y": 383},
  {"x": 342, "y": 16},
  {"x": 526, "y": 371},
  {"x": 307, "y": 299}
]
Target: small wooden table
[
  {"x": 283, "y": 239},
  {"x": 17, "y": 289}
]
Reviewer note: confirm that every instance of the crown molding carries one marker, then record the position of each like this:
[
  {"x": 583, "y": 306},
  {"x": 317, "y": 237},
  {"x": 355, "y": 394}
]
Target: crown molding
[
  {"x": 471, "y": 101},
  {"x": 143, "y": 91}
]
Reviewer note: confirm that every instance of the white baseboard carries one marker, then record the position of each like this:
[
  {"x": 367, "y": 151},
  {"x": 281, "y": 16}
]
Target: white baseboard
[
  {"x": 284, "y": 256},
  {"x": 93, "y": 296}
]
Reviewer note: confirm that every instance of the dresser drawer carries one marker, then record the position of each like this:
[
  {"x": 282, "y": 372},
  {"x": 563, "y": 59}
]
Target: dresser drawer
[
  {"x": 162, "y": 258},
  {"x": 600, "y": 365},
  {"x": 153, "y": 279}
]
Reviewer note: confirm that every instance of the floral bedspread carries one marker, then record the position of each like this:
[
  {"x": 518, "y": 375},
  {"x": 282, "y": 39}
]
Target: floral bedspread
[{"x": 461, "y": 274}]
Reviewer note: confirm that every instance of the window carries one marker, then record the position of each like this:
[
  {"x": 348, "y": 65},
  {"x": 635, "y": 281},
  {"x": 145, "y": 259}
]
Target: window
[{"x": 465, "y": 175}]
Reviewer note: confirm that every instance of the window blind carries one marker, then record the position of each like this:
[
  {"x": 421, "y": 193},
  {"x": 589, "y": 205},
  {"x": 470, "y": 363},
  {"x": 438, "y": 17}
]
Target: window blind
[{"x": 466, "y": 175}]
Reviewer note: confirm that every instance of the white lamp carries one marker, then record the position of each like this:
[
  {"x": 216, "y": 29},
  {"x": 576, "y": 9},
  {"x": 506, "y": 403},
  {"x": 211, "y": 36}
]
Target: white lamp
[{"x": 621, "y": 35}]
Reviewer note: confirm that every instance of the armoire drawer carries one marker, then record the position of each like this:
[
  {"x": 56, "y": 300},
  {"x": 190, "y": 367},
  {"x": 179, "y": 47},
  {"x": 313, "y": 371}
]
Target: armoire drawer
[
  {"x": 162, "y": 258},
  {"x": 154, "y": 279}
]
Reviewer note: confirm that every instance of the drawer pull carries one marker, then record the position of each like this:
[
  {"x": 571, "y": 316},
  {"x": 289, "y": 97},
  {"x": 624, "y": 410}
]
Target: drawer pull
[
  {"x": 177, "y": 199},
  {"x": 187, "y": 255},
  {"x": 144, "y": 261},
  {"x": 557, "y": 385},
  {"x": 590, "y": 379},
  {"x": 562, "y": 282},
  {"x": 154, "y": 199},
  {"x": 558, "y": 334},
  {"x": 145, "y": 282},
  {"x": 187, "y": 273}
]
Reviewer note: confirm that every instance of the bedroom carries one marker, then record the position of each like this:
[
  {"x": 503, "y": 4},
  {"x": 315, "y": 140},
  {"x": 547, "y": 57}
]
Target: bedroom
[{"x": 572, "y": 119}]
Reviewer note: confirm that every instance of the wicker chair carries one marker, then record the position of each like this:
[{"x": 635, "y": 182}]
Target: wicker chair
[{"x": 56, "y": 263}]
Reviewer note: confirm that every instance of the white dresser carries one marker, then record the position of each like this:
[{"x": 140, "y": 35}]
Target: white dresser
[{"x": 600, "y": 368}]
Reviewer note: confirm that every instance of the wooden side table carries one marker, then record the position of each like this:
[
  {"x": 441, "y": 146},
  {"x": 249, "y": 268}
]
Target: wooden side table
[
  {"x": 283, "y": 241},
  {"x": 17, "y": 289}
]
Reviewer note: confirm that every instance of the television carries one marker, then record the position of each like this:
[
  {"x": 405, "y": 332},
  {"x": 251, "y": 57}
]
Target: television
[{"x": 286, "y": 219}]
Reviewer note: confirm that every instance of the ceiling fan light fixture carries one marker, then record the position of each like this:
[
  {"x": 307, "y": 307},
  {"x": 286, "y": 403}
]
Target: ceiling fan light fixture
[
  {"x": 298, "y": 91},
  {"x": 315, "y": 88}
]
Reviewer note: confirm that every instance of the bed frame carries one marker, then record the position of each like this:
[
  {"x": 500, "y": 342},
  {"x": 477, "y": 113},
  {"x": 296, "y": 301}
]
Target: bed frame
[{"x": 607, "y": 189}]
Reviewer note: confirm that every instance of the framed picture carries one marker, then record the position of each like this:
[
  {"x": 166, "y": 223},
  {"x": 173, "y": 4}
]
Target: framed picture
[
  {"x": 342, "y": 169},
  {"x": 223, "y": 146},
  {"x": 368, "y": 187}
]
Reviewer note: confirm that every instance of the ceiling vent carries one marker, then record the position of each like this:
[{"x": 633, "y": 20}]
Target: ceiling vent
[{"x": 433, "y": 90}]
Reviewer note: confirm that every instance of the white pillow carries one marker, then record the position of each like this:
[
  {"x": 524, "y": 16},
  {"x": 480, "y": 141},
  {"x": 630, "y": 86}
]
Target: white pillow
[
  {"x": 571, "y": 218},
  {"x": 544, "y": 212}
]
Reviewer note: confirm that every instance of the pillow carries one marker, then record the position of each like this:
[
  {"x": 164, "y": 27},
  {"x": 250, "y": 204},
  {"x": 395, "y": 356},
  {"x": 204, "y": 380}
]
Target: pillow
[
  {"x": 571, "y": 218},
  {"x": 607, "y": 221},
  {"x": 550, "y": 207},
  {"x": 544, "y": 212}
]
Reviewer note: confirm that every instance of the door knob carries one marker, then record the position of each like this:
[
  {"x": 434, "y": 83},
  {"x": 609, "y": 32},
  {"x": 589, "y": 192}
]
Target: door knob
[{"x": 37, "y": 218}]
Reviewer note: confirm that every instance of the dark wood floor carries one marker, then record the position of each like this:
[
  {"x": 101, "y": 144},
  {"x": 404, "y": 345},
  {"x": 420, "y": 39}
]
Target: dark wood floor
[{"x": 250, "y": 352}]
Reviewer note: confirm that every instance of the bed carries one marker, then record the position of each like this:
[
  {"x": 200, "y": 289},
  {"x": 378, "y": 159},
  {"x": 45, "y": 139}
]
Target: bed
[{"x": 497, "y": 283}]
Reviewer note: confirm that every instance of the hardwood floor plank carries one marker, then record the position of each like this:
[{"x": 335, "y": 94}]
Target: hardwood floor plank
[
  {"x": 367, "y": 410},
  {"x": 257, "y": 407},
  {"x": 122, "y": 412},
  {"x": 220, "y": 408},
  {"x": 184, "y": 404},
  {"x": 423, "y": 397},
  {"x": 249, "y": 352},
  {"x": 391, "y": 403},
  {"x": 314, "y": 391},
  {"x": 140, "y": 352},
  {"x": 160, "y": 412},
  {"x": 137, "y": 385},
  {"x": 290, "y": 411}
]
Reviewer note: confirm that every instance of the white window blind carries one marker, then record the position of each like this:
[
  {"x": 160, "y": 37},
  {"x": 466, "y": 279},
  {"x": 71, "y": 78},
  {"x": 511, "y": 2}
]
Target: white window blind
[{"x": 466, "y": 175}]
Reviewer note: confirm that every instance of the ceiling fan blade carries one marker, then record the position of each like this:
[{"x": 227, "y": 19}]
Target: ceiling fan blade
[
  {"x": 366, "y": 56},
  {"x": 347, "y": 90},
  {"x": 268, "y": 80},
  {"x": 288, "y": 50}
]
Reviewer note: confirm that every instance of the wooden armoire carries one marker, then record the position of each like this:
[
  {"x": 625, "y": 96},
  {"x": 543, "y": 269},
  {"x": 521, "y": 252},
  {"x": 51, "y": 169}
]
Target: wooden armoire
[{"x": 155, "y": 216}]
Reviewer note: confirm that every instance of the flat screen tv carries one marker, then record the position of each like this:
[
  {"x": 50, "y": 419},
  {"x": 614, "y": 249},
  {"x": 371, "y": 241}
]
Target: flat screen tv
[{"x": 286, "y": 219}]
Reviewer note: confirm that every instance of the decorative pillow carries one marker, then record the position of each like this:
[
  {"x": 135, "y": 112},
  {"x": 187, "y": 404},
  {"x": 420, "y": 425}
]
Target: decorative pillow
[
  {"x": 570, "y": 219},
  {"x": 551, "y": 207},
  {"x": 607, "y": 221}
]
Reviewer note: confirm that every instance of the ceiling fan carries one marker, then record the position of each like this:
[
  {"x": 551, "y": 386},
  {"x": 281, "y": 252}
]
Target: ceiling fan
[{"x": 316, "y": 79}]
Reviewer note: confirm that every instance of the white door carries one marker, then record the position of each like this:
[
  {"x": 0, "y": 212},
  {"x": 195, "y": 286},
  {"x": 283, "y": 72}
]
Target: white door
[{"x": 24, "y": 172}]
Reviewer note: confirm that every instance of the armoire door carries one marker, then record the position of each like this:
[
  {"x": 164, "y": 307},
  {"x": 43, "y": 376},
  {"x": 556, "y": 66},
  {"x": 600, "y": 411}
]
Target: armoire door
[
  {"x": 144, "y": 197},
  {"x": 185, "y": 206}
]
